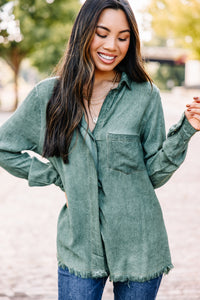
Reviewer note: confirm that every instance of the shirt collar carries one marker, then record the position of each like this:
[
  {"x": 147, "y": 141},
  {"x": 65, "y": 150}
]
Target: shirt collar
[{"x": 125, "y": 79}]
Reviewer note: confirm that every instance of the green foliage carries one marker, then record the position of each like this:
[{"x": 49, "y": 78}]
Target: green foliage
[
  {"x": 177, "y": 19},
  {"x": 166, "y": 76},
  {"x": 35, "y": 29},
  {"x": 44, "y": 27}
]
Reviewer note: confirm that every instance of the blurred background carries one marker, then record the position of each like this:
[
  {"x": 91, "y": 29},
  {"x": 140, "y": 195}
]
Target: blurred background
[{"x": 33, "y": 36}]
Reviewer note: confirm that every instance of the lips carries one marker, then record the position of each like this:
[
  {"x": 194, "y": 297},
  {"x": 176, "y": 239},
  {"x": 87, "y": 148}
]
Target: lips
[{"x": 106, "y": 58}]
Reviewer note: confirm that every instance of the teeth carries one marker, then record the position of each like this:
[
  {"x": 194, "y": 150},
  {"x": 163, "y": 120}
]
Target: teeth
[{"x": 106, "y": 57}]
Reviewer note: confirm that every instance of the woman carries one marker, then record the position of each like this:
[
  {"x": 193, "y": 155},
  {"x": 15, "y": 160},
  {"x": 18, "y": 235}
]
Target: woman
[{"x": 100, "y": 124}]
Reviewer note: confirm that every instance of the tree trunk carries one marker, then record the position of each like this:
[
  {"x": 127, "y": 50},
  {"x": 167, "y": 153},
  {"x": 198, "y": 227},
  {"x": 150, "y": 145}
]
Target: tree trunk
[
  {"x": 15, "y": 62},
  {"x": 16, "y": 88}
]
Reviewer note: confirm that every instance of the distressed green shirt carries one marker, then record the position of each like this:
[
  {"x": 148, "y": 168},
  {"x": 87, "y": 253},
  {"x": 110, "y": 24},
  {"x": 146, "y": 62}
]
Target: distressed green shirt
[{"x": 113, "y": 224}]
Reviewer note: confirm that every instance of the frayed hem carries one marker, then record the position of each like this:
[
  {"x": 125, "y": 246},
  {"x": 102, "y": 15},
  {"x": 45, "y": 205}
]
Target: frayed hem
[
  {"x": 116, "y": 278},
  {"x": 82, "y": 274},
  {"x": 120, "y": 278}
]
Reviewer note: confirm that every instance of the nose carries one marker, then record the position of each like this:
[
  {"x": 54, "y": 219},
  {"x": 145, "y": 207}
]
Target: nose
[{"x": 110, "y": 44}]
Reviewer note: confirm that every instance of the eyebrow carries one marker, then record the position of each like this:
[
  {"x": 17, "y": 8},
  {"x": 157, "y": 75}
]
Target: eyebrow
[{"x": 105, "y": 28}]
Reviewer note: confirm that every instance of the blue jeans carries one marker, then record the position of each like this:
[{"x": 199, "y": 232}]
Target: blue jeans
[{"x": 71, "y": 287}]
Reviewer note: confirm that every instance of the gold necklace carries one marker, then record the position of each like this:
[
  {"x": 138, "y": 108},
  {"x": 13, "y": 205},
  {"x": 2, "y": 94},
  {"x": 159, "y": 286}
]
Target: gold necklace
[{"x": 94, "y": 116}]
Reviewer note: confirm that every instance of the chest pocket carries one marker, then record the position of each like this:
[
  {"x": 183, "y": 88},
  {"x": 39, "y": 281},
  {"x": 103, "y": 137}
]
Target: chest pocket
[{"x": 124, "y": 153}]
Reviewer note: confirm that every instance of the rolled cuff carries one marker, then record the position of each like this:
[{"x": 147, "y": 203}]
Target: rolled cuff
[
  {"x": 42, "y": 174},
  {"x": 184, "y": 128}
]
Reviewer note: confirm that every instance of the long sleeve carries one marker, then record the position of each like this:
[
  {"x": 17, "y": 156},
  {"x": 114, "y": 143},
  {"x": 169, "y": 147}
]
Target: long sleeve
[
  {"x": 20, "y": 133},
  {"x": 163, "y": 155}
]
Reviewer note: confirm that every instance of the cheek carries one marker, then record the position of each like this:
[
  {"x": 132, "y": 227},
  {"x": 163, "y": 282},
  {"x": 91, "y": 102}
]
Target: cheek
[
  {"x": 94, "y": 45},
  {"x": 124, "y": 49},
  {"x": 91, "y": 47}
]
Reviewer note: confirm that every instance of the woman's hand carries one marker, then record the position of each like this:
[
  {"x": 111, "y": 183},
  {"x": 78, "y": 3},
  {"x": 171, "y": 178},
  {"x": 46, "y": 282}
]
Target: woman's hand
[{"x": 193, "y": 113}]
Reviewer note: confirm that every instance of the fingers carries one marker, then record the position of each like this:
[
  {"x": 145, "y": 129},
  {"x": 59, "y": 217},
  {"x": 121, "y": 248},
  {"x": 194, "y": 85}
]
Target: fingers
[
  {"x": 194, "y": 107},
  {"x": 195, "y": 116},
  {"x": 194, "y": 110},
  {"x": 193, "y": 113}
]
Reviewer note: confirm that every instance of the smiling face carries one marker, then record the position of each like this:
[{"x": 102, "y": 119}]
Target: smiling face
[{"x": 111, "y": 41}]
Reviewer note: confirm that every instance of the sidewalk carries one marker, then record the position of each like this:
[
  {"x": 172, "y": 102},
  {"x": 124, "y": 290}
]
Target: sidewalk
[{"x": 28, "y": 218}]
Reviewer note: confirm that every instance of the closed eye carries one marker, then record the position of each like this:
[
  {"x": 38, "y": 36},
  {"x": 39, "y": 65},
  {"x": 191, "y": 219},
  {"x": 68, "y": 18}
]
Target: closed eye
[
  {"x": 122, "y": 40},
  {"x": 102, "y": 36}
]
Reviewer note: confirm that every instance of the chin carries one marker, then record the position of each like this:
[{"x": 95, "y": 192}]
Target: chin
[{"x": 105, "y": 68}]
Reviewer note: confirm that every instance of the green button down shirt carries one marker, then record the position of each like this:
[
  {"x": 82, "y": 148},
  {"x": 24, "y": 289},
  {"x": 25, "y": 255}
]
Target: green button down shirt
[{"x": 113, "y": 224}]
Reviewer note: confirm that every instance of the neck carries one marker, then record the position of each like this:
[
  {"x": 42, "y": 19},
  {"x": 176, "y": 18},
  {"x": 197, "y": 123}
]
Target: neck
[
  {"x": 103, "y": 84},
  {"x": 100, "y": 77}
]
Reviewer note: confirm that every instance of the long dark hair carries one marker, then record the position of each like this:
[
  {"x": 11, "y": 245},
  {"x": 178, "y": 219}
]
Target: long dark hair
[{"x": 76, "y": 71}]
